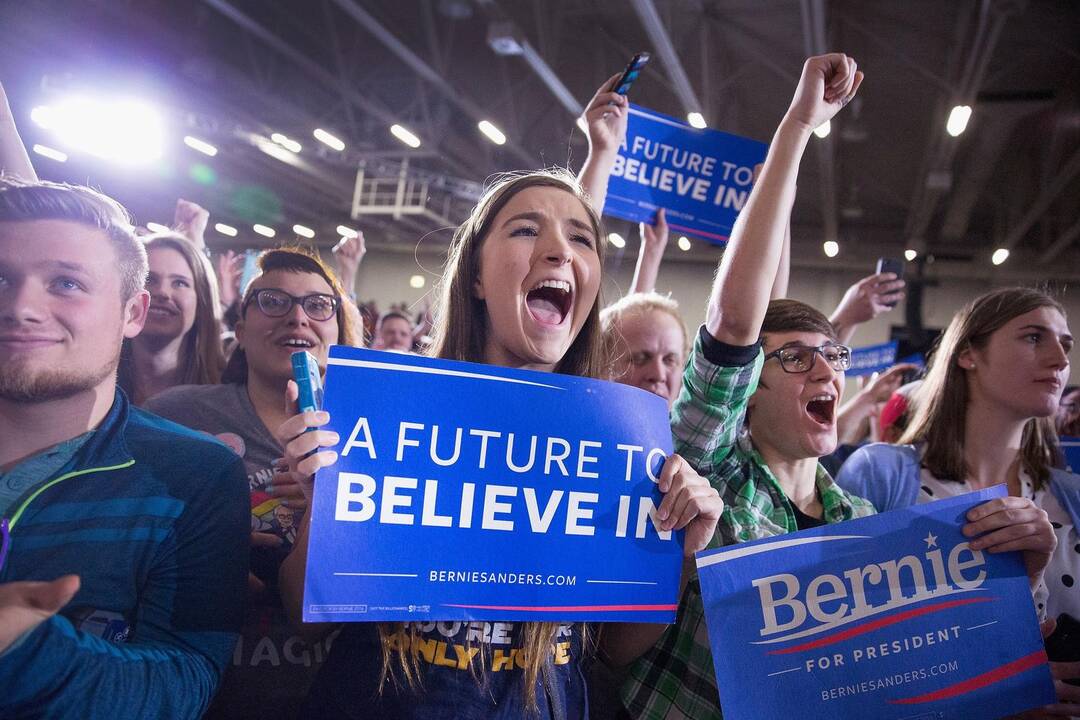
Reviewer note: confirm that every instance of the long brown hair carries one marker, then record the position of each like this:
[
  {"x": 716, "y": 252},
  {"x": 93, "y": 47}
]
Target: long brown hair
[
  {"x": 940, "y": 419},
  {"x": 201, "y": 359},
  {"x": 461, "y": 334},
  {"x": 294, "y": 259}
]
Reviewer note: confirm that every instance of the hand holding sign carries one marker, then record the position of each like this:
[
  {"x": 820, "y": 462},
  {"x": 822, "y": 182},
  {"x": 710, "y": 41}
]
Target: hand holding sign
[
  {"x": 690, "y": 503},
  {"x": 827, "y": 84},
  {"x": 1014, "y": 523}
]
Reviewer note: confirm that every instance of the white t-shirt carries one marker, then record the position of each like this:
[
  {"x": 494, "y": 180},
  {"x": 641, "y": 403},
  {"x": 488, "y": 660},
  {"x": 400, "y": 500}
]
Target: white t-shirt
[{"x": 1059, "y": 592}]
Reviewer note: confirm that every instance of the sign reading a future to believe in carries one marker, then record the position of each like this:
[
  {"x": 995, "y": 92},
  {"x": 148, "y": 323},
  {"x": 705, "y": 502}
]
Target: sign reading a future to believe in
[
  {"x": 890, "y": 616},
  {"x": 700, "y": 177},
  {"x": 467, "y": 491}
]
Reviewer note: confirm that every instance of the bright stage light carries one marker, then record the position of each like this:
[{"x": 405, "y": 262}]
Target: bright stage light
[
  {"x": 1000, "y": 255},
  {"x": 286, "y": 142},
  {"x": 124, "y": 131},
  {"x": 405, "y": 136},
  {"x": 822, "y": 130},
  {"x": 346, "y": 232},
  {"x": 493, "y": 133},
  {"x": 616, "y": 240},
  {"x": 684, "y": 243},
  {"x": 329, "y": 140},
  {"x": 156, "y": 227},
  {"x": 201, "y": 145},
  {"x": 226, "y": 229},
  {"x": 696, "y": 119},
  {"x": 264, "y": 230},
  {"x": 303, "y": 231},
  {"x": 46, "y": 151},
  {"x": 831, "y": 248},
  {"x": 958, "y": 120}
]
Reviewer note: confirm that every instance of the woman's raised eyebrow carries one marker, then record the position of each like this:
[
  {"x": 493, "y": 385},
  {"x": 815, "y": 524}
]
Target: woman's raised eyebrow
[{"x": 534, "y": 216}]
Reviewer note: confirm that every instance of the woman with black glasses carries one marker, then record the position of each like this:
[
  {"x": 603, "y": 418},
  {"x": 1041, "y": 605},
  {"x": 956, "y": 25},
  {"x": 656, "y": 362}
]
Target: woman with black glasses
[{"x": 294, "y": 303}]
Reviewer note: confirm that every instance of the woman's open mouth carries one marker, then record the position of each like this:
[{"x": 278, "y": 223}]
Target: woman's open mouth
[
  {"x": 822, "y": 409},
  {"x": 550, "y": 301}
]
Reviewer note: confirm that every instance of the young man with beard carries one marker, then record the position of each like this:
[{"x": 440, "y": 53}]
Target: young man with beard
[
  {"x": 124, "y": 558},
  {"x": 778, "y": 369}
]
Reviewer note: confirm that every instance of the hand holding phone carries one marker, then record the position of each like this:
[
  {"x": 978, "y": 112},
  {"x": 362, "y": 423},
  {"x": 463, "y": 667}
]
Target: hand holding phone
[
  {"x": 309, "y": 381},
  {"x": 894, "y": 266},
  {"x": 630, "y": 74}
]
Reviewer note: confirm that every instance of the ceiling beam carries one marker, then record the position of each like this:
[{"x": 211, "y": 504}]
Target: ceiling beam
[
  {"x": 813, "y": 27},
  {"x": 1062, "y": 243},
  {"x": 426, "y": 72},
  {"x": 1042, "y": 203},
  {"x": 658, "y": 34}
]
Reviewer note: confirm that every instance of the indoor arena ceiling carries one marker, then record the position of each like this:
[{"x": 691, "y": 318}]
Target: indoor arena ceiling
[{"x": 887, "y": 178}]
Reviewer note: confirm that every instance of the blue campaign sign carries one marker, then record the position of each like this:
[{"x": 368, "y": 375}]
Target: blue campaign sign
[
  {"x": 873, "y": 358},
  {"x": 466, "y": 491},
  {"x": 700, "y": 177},
  {"x": 1071, "y": 448},
  {"x": 887, "y": 617}
]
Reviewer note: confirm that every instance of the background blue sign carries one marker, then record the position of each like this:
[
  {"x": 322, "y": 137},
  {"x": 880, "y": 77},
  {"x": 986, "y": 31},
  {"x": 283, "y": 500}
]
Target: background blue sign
[
  {"x": 1071, "y": 448},
  {"x": 890, "y": 616},
  {"x": 873, "y": 358},
  {"x": 700, "y": 177},
  {"x": 468, "y": 491}
]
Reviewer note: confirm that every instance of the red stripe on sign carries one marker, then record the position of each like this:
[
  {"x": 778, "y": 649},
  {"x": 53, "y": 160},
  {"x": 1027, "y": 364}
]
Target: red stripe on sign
[
  {"x": 697, "y": 231},
  {"x": 875, "y": 624},
  {"x": 567, "y": 608},
  {"x": 979, "y": 681}
]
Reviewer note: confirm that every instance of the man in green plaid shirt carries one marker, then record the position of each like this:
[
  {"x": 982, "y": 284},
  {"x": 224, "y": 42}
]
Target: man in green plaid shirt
[{"x": 775, "y": 368}]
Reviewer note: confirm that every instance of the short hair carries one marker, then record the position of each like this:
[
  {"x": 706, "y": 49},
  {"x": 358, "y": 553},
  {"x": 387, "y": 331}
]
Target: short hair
[
  {"x": 639, "y": 303},
  {"x": 297, "y": 260},
  {"x": 786, "y": 315},
  {"x": 395, "y": 314},
  {"x": 25, "y": 200}
]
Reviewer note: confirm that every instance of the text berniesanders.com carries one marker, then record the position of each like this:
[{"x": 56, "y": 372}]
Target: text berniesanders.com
[{"x": 499, "y": 578}]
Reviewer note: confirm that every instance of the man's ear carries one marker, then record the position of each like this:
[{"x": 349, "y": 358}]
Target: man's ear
[{"x": 135, "y": 313}]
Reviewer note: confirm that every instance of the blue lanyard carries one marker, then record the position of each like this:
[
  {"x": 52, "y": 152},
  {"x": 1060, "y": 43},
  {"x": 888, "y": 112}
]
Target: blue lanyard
[{"x": 5, "y": 542}]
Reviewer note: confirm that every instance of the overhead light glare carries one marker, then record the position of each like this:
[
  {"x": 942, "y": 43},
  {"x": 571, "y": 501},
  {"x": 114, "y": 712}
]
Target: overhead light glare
[
  {"x": 201, "y": 145},
  {"x": 958, "y": 120},
  {"x": 124, "y": 131},
  {"x": 823, "y": 130},
  {"x": 404, "y": 135},
  {"x": 910, "y": 255},
  {"x": 346, "y": 232},
  {"x": 46, "y": 151},
  {"x": 582, "y": 125},
  {"x": 616, "y": 240},
  {"x": 286, "y": 142},
  {"x": 156, "y": 227},
  {"x": 684, "y": 243},
  {"x": 417, "y": 281},
  {"x": 493, "y": 133},
  {"x": 697, "y": 120},
  {"x": 1000, "y": 255},
  {"x": 831, "y": 248},
  {"x": 264, "y": 230},
  {"x": 303, "y": 231},
  {"x": 331, "y": 141},
  {"x": 226, "y": 229}
]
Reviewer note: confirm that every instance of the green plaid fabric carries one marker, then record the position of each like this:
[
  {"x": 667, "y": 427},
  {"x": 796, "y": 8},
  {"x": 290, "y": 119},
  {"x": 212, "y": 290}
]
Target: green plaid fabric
[{"x": 675, "y": 679}]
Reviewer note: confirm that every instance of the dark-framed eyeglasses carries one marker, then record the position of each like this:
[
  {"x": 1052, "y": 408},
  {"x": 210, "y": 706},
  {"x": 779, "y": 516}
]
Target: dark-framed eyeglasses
[
  {"x": 801, "y": 358},
  {"x": 278, "y": 303}
]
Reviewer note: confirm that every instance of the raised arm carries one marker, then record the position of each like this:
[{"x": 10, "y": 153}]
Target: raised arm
[
  {"x": 864, "y": 301},
  {"x": 744, "y": 282},
  {"x": 605, "y": 117},
  {"x": 654, "y": 239},
  {"x": 13, "y": 157}
]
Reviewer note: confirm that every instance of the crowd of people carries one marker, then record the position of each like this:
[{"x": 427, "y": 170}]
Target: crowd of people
[{"x": 155, "y": 472}]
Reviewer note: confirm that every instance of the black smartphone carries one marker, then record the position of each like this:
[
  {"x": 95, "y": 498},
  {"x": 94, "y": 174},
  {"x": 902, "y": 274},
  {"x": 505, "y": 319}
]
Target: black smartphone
[
  {"x": 1064, "y": 644},
  {"x": 630, "y": 74},
  {"x": 890, "y": 265}
]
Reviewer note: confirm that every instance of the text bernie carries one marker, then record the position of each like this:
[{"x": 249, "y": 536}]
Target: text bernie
[{"x": 830, "y": 599}]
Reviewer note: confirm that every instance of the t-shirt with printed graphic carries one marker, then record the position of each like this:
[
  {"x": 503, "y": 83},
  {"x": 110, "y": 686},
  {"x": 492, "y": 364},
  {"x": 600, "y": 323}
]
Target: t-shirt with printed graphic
[
  {"x": 451, "y": 684},
  {"x": 272, "y": 667}
]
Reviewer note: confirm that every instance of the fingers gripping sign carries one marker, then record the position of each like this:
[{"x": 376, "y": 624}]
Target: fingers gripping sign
[
  {"x": 689, "y": 503},
  {"x": 1013, "y": 523}
]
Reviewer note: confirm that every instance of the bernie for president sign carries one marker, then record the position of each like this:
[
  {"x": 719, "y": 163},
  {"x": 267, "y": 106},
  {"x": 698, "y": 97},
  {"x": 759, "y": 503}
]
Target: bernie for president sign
[
  {"x": 466, "y": 491},
  {"x": 890, "y": 616}
]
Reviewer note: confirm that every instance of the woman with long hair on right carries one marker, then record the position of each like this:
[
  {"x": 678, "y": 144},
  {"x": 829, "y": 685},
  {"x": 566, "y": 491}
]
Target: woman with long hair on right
[{"x": 984, "y": 416}]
